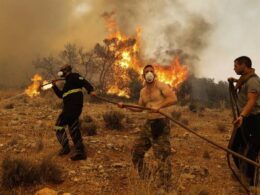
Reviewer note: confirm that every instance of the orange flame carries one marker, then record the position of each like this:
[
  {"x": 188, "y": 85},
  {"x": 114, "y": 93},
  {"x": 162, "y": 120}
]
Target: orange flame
[
  {"x": 34, "y": 89},
  {"x": 173, "y": 74}
]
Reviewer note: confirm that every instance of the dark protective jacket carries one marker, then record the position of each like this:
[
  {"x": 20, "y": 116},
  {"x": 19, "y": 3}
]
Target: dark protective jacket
[{"x": 72, "y": 92}]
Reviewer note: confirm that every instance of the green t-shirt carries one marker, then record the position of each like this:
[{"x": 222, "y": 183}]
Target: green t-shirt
[{"x": 251, "y": 85}]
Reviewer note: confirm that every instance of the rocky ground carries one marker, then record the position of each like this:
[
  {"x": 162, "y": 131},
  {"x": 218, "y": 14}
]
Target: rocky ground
[{"x": 26, "y": 131}]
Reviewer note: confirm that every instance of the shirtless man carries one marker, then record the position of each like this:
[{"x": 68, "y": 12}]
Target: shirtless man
[{"x": 156, "y": 132}]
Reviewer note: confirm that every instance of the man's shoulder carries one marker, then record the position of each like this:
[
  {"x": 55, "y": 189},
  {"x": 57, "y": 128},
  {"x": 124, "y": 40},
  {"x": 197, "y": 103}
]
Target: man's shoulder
[
  {"x": 142, "y": 90},
  {"x": 253, "y": 80},
  {"x": 75, "y": 75},
  {"x": 162, "y": 85}
]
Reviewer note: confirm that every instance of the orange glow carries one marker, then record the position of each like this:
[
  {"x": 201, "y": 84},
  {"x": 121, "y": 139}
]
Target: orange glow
[
  {"x": 34, "y": 88},
  {"x": 173, "y": 74},
  {"x": 37, "y": 83}
]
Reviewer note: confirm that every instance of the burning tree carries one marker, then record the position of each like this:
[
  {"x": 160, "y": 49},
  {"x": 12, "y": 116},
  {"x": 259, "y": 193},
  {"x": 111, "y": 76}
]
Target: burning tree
[{"x": 114, "y": 66}]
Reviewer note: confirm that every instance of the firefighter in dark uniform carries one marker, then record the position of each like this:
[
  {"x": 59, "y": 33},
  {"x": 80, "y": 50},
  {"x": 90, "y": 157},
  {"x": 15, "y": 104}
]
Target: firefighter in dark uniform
[{"x": 72, "y": 107}]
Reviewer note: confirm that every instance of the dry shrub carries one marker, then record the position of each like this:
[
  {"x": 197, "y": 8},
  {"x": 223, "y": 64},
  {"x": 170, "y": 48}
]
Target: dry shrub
[
  {"x": 176, "y": 115},
  {"x": 87, "y": 119},
  {"x": 113, "y": 119},
  {"x": 206, "y": 154},
  {"x": 89, "y": 129},
  {"x": 13, "y": 142},
  {"x": 221, "y": 127},
  {"x": 50, "y": 172},
  {"x": 57, "y": 105},
  {"x": 9, "y": 106},
  {"x": 21, "y": 172},
  {"x": 39, "y": 145},
  {"x": 185, "y": 121}
]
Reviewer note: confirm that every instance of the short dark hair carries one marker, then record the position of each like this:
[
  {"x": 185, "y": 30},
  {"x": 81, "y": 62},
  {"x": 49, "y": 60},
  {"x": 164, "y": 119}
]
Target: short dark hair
[
  {"x": 148, "y": 65},
  {"x": 244, "y": 60}
]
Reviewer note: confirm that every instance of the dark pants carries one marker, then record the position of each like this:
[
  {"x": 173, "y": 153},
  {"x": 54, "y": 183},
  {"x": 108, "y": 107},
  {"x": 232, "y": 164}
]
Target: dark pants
[
  {"x": 155, "y": 134},
  {"x": 70, "y": 118},
  {"x": 247, "y": 143}
]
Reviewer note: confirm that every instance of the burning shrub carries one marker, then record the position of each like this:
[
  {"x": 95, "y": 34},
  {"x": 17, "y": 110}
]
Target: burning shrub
[
  {"x": 20, "y": 172},
  {"x": 113, "y": 119}
]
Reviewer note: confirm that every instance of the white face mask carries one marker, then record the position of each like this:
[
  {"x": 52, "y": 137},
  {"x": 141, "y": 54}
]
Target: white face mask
[
  {"x": 149, "y": 77},
  {"x": 60, "y": 74}
]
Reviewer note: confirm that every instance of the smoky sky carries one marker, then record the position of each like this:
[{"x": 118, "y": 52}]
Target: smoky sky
[
  {"x": 31, "y": 29},
  {"x": 207, "y": 36}
]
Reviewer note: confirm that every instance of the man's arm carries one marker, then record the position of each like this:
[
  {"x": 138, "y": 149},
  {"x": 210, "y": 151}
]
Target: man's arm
[
  {"x": 89, "y": 88},
  {"x": 169, "y": 94},
  {"x": 140, "y": 102},
  {"x": 251, "y": 102},
  {"x": 57, "y": 91}
]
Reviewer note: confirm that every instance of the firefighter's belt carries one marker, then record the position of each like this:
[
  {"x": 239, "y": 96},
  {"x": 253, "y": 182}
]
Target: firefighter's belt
[
  {"x": 58, "y": 128},
  {"x": 70, "y": 92}
]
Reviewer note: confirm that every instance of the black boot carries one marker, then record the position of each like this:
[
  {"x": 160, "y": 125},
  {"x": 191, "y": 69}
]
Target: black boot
[
  {"x": 79, "y": 156},
  {"x": 64, "y": 150}
]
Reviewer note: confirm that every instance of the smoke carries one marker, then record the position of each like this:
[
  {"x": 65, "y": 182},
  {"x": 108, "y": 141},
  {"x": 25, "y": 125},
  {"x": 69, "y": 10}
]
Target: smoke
[
  {"x": 31, "y": 29},
  {"x": 169, "y": 28}
]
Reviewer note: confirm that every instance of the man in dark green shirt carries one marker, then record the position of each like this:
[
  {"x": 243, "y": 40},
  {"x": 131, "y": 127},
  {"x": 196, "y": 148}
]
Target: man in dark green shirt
[{"x": 248, "y": 122}]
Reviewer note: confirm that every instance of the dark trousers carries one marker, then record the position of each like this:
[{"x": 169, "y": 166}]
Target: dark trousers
[
  {"x": 70, "y": 118},
  {"x": 247, "y": 143}
]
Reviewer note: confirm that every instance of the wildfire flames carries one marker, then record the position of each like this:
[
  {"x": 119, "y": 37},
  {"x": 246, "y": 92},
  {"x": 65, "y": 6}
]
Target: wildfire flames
[
  {"x": 37, "y": 84},
  {"x": 173, "y": 74},
  {"x": 33, "y": 89},
  {"x": 128, "y": 59}
]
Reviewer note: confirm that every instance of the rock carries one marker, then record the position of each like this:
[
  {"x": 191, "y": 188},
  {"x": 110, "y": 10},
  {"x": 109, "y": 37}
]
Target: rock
[
  {"x": 72, "y": 172},
  {"x": 75, "y": 179},
  {"x": 118, "y": 165},
  {"x": 109, "y": 146},
  {"x": 48, "y": 191}
]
